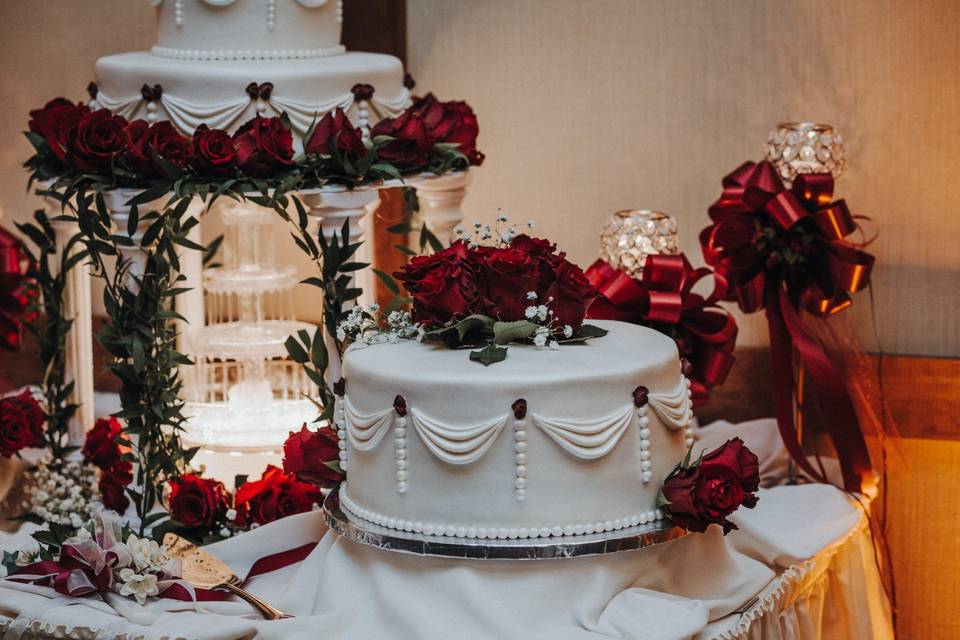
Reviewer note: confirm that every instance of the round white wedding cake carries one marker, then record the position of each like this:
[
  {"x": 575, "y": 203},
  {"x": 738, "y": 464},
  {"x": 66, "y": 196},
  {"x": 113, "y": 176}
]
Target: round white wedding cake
[
  {"x": 549, "y": 442},
  {"x": 222, "y": 62}
]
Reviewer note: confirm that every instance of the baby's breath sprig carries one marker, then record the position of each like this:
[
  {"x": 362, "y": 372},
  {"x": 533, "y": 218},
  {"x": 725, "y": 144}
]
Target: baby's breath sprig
[
  {"x": 501, "y": 234},
  {"x": 362, "y": 327},
  {"x": 542, "y": 315}
]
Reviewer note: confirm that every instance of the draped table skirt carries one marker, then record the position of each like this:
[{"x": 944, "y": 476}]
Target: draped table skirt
[{"x": 801, "y": 566}]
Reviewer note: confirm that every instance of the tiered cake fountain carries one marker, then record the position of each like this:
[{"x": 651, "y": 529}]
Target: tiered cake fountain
[{"x": 244, "y": 394}]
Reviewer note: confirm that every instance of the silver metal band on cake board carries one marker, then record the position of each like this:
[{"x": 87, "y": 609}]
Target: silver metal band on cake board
[{"x": 355, "y": 529}]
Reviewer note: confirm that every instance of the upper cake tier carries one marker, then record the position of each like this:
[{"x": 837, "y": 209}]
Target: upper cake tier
[
  {"x": 248, "y": 29},
  {"x": 546, "y": 443},
  {"x": 222, "y": 62}
]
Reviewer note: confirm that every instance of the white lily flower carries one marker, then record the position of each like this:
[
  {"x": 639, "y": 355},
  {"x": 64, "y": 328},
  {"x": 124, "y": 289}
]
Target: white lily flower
[{"x": 138, "y": 585}]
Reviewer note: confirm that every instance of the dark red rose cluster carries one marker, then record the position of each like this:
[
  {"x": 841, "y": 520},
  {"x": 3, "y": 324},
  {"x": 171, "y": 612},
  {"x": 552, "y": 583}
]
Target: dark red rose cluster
[
  {"x": 21, "y": 423},
  {"x": 98, "y": 142},
  {"x": 707, "y": 492},
  {"x": 102, "y": 450},
  {"x": 495, "y": 281}
]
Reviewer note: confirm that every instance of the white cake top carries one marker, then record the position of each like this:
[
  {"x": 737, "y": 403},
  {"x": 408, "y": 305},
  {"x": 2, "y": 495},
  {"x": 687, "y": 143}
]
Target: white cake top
[{"x": 248, "y": 29}]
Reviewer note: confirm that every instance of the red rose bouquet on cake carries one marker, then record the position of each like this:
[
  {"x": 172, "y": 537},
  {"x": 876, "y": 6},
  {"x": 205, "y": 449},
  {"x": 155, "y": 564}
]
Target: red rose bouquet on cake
[{"x": 522, "y": 289}]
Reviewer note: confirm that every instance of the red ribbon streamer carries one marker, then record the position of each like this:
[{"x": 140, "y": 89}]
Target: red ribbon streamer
[
  {"x": 664, "y": 299},
  {"x": 786, "y": 252}
]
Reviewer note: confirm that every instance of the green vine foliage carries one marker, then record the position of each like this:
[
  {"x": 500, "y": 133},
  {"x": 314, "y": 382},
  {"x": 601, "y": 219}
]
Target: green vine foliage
[{"x": 48, "y": 272}]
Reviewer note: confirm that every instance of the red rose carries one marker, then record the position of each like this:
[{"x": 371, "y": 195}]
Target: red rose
[
  {"x": 443, "y": 285},
  {"x": 56, "y": 122},
  {"x": 145, "y": 140},
  {"x": 709, "y": 491},
  {"x": 197, "y": 502},
  {"x": 212, "y": 151},
  {"x": 112, "y": 483},
  {"x": 98, "y": 141},
  {"x": 572, "y": 293},
  {"x": 335, "y": 128},
  {"x": 508, "y": 274},
  {"x": 264, "y": 146},
  {"x": 305, "y": 453},
  {"x": 274, "y": 496},
  {"x": 451, "y": 122},
  {"x": 412, "y": 144},
  {"x": 100, "y": 447},
  {"x": 21, "y": 423}
]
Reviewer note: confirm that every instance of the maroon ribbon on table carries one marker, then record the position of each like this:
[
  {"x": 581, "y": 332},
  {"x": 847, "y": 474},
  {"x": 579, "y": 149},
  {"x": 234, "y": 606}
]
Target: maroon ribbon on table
[
  {"x": 665, "y": 297},
  {"x": 756, "y": 223},
  {"x": 15, "y": 294},
  {"x": 71, "y": 575}
]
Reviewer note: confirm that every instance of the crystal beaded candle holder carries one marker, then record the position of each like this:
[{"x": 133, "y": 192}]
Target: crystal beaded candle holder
[
  {"x": 629, "y": 236},
  {"x": 805, "y": 147}
]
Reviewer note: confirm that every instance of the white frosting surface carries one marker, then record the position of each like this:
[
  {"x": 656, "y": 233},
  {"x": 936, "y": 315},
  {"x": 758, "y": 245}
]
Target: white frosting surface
[
  {"x": 584, "y": 457},
  {"x": 247, "y": 26}
]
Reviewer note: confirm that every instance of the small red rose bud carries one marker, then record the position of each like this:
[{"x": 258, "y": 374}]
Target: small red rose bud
[
  {"x": 400, "y": 405},
  {"x": 641, "y": 396},
  {"x": 519, "y": 409},
  {"x": 362, "y": 92},
  {"x": 340, "y": 387}
]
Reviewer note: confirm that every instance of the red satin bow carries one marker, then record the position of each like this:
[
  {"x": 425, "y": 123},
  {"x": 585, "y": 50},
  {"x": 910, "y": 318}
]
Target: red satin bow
[
  {"x": 664, "y": 299},
  {"x": 785, "y": 251},
  {"x": 15, "y": 295}
]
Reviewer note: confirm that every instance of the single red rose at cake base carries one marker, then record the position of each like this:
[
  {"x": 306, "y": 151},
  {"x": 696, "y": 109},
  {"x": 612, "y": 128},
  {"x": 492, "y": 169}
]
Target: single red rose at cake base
[
  {"x": 112, "y": 484},
  {"x": 264, "y": 146},
  {"x": 507, "y": 276},
  {"x": 275, "y": 495},
  {"x": 196, "y": 501},
  {"x": 443, "y": 285},
  {"x": 98, "y": 141},
  {"x": 712, "y": 488},
  {"x": 306, "y": 452},
  {"x": 100, "y": 447},
  {"x": 212, "y": 151},
  {"x": 144, "y": 141},
  {"x": 55, "y": 122},
  {"x": 412, "y": 144},
  {"x": 336, "y": 131},
  {"x": 452, "y": 122},
  {"x": 21, "y": 423}
]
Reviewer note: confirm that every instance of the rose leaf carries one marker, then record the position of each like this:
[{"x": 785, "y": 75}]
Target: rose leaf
[
  {"x": 504, "y": 332},
  {"x": 489, "y": 354}
]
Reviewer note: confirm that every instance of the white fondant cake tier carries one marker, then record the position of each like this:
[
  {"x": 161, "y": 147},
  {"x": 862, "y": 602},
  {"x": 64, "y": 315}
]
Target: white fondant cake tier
[
  {"x": 218, "y": 93},
  {"x": 461, "y": 462},
  {"x": 248, "y": 29}
]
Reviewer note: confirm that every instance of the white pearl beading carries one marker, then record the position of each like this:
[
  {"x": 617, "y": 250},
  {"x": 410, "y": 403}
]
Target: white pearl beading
[
  {"x": 271, "y": 14},
  {"x": 646, "y": 464},
  {"x": 246, "y": 54},
  {"x": 339, "y": 11},
  {"x": 363, "y": 120},
  {"x": 178, "y": 12},
  {"x": 520, "y": 458},
  {"x": 340, "y": 420},
  {"x": 498, "y": 533},
  {"x": 688, "y": 431},
  {"x": 400, "y": 442}
]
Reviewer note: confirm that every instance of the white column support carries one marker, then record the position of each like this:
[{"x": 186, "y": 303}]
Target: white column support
[
  {"x": 78, "y": 361},
  {"x": 441, "y": 202},
  {"x": 330, "y": 209},
  {"x": 190, "y": 303}
]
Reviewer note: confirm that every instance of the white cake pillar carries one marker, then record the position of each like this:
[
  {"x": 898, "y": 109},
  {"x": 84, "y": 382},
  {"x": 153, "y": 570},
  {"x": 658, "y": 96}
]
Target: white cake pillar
[
  {"x": 190, "y": 303},
  {"x": 441, "y": 201},
  {"x": 330, "y": 209},
  {"x": 78, "y": 360}
]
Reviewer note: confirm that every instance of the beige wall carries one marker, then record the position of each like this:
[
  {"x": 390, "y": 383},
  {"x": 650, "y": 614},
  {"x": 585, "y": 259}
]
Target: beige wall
[{"x": 591, "y": 106}]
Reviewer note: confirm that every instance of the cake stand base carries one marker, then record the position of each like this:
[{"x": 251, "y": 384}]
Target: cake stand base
[{"x": 358, "y": 530}]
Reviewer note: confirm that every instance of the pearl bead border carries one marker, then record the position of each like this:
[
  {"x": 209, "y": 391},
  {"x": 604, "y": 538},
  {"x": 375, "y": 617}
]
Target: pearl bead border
[
  {"x": 688, "y": 431},
  {"x": 498, "y": 533},
  {"x": 246, "y": 54},
  {"x": 646, "y": 463}
]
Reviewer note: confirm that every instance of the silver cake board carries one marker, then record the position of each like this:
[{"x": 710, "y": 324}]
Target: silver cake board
[{"x": 355, "y": 529}]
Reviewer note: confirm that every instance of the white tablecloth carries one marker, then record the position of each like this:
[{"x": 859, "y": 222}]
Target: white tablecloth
[{"x": 801, "y": 567}]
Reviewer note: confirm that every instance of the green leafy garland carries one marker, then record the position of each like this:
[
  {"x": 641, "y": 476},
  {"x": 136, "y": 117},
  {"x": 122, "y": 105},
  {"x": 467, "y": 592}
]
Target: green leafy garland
[{"x": 51, "y": 326}]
